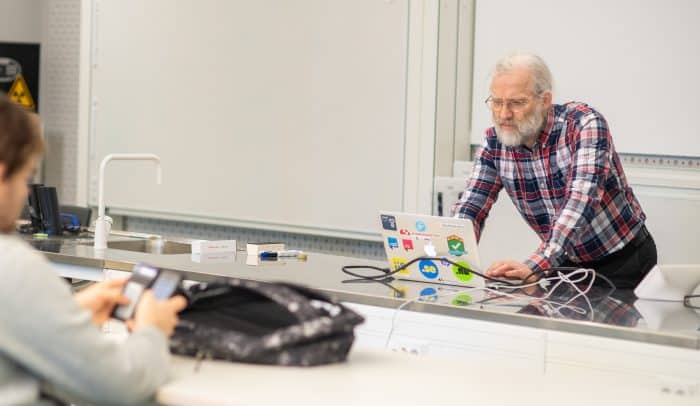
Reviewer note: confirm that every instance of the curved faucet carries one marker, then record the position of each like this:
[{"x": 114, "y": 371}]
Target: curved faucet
[{"x": 103, "y": 224}]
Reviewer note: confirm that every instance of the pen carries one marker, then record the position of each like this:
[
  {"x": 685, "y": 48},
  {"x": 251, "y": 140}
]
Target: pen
[{"x": 280, "y": 254}]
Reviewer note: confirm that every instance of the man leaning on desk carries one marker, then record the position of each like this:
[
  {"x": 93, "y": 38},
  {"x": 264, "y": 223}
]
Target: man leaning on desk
[{"x": 558, "y": 164}]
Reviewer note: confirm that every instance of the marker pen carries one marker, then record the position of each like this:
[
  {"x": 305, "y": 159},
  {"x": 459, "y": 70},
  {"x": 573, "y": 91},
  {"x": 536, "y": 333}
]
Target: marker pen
[{"x": 282, "y": 254}]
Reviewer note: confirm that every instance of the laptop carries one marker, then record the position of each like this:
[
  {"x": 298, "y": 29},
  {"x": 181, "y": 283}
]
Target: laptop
[{"x": 408, "y": 236}]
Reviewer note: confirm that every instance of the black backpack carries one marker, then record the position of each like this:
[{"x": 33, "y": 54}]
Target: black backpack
[{"x": 263, "y": 323}]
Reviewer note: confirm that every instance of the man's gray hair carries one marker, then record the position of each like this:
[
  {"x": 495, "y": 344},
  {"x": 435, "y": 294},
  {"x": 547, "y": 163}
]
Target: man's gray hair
[{"x": 540, "y": 72}]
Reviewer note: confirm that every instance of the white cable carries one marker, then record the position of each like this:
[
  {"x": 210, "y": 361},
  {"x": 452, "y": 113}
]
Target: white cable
[
  {"x": 567, "y": 278},
  {"x": 531, "y": 299},
  {"x": 580, "y": 292},
  {"x": 406, "y": 303},
  {"x": 561, "y": 279},
  {"x": 556, "y": 307},
  {"x": 497, "y": 285}
]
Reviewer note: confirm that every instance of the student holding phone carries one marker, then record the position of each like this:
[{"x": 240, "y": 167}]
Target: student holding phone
[{"x": 50, "y": 340}]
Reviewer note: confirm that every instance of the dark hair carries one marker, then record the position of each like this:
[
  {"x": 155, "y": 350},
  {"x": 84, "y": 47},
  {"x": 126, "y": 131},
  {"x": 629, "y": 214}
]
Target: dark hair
[{"x": 20, "y": 137}]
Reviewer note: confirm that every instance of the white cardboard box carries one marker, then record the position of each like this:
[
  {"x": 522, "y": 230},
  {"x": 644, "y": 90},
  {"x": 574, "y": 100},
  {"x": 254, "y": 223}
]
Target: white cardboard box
[{"x": 212, "y": 247}]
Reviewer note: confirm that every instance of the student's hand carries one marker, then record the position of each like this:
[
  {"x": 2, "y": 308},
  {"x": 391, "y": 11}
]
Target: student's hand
[
  {"x": 101, "y": 298},
  {"x": 510, "y": 269},
  {"x": 159, "y": 313}
]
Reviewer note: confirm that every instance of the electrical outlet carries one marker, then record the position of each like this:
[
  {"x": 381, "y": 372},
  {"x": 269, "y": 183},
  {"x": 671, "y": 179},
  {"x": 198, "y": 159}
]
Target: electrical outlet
[
  {"x": 676, "y": 387},
  {"x": 408, "y": 346}
]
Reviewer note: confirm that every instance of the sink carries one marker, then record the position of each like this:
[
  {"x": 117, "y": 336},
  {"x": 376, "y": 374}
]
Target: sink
[{"x": 152, "y": 246}]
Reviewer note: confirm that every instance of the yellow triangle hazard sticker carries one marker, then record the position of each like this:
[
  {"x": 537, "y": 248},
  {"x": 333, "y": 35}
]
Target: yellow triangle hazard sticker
[{"x": 19, "y": 93}]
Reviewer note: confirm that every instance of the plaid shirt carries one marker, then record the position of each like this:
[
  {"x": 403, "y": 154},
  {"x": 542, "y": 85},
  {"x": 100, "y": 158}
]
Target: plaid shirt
[{"x": 570, "y": 188}]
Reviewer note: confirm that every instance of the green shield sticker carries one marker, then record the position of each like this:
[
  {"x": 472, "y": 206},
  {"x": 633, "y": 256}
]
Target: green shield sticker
[{"x": 455, "y": 245}]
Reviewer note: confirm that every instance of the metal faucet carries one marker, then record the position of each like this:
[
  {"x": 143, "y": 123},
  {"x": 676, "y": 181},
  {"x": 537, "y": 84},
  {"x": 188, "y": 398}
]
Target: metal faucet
[{"x": 103, "y": 224}]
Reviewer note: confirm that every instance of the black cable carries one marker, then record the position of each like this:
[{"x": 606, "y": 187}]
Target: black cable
[
  {"x": 387, "y": 272},
  {"x": 385, "y": 282}
]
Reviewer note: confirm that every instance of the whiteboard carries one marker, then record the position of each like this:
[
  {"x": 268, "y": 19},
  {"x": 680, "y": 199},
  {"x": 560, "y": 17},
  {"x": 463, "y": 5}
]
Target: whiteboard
[
  {"x": 265, "y": 113},
  {"x": 636, "y": 62}
]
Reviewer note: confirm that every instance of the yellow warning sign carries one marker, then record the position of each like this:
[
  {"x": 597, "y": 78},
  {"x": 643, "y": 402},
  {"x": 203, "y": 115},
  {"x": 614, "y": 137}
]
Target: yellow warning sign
[{"x": 19, "y": 93}]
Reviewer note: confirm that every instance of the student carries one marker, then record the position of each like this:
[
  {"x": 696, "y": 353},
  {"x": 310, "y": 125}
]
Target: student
[
  {"x": 559, "y": 167},
  {"x": 50, "y": 340}
]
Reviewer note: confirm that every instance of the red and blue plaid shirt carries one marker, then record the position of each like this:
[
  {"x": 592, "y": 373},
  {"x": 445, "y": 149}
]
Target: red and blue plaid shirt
[{"x": 570, "y": 188}]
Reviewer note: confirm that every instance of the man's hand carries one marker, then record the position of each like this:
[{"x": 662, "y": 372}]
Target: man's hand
[
  {"x": 510, "y": 269},
  {"x": 101, "y": 298}
]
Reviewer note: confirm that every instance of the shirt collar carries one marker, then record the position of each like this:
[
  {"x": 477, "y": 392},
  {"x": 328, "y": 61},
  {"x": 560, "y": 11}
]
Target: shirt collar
[
  {"x": 544, "y": 134},
  {"x": 549, "y": 123}
]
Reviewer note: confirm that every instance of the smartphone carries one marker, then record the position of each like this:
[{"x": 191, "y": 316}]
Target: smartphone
[
  {"x": 166, "y": 284},
  {"x": 141, "y": 278}
]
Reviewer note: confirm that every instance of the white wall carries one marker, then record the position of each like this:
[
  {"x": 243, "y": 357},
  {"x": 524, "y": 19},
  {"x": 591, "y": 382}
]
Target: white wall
[
  {"x": 634, "y": 61},
  {"x": 272, "y": 111},
  {"x": 21, "y": 20}
]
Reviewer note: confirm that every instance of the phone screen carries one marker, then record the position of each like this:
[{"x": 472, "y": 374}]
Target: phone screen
[
  {"x": 165, "y": 285},
  {"x": 141, "y": 277},
  {"x": 133, "y": 291}
]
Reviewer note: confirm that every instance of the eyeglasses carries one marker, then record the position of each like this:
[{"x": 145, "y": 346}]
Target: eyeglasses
[{"x": 514, "y": 105}]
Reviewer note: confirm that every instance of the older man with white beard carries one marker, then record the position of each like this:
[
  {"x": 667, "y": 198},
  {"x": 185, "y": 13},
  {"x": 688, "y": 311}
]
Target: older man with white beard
[{"x": 559, "y": 166}]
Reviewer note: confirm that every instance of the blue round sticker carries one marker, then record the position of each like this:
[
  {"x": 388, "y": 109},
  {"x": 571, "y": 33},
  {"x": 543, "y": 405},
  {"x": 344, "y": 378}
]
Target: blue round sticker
[
  {"x": 428, "y": 269},
  {"x": 428, "y": 295},
  {"x": 420, "y": 226}
]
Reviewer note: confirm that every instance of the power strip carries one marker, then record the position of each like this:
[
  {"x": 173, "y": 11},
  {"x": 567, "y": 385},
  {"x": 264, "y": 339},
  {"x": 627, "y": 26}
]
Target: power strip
[{"x": 665, "y": 162}]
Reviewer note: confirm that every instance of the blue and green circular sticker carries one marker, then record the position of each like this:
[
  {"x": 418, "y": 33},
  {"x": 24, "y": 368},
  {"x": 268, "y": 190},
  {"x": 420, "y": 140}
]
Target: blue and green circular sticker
[{"x": 462, "y": 274}]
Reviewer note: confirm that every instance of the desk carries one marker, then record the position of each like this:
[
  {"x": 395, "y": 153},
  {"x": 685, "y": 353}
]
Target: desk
[
  {"x": 386, "y": 378},
  {"x": 612, "y": 342},
  {"x": 322, "y": 273}
]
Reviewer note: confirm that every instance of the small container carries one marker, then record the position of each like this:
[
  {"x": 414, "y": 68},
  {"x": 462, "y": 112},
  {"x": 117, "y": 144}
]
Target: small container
[{"x": 213, "y": 247}]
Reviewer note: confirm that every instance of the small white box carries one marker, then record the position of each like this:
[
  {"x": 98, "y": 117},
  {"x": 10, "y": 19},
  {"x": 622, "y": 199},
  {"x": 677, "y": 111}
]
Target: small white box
[
  {"x": 255, "y": 248},
  {"x": 218, "y": 258},
  {"x": 213, "y": 247}
]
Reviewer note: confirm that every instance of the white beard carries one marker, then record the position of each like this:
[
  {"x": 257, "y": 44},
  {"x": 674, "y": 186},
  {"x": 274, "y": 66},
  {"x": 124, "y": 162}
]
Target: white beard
[
  {"x": 509, "y": 138},
  {"x": 526, "y": 131}
]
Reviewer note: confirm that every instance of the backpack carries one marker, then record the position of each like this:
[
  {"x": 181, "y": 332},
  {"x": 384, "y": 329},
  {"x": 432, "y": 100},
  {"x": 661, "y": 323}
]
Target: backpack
[{"x": 263, "y": 323}]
